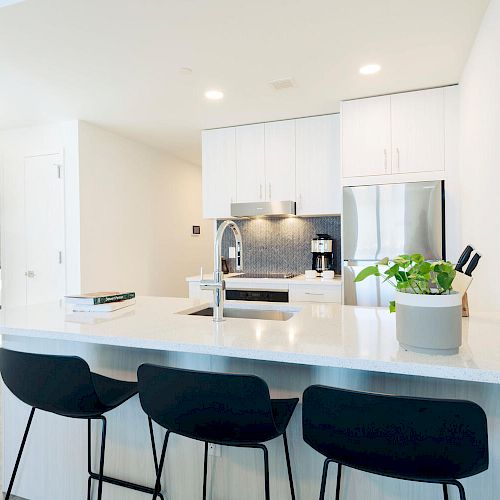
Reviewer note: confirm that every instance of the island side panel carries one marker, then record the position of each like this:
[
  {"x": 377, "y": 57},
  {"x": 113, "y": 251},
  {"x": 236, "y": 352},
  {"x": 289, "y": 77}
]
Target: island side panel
[{"x": 54, "y": 464}]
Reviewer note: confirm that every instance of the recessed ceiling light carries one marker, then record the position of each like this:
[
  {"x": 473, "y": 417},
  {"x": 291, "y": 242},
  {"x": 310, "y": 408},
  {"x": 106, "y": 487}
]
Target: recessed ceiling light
[
  {"x": 370, "y": 69},
  {"x": 214, "y": 95}
]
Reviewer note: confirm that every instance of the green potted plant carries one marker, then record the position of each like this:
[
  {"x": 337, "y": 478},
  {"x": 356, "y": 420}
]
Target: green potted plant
[{"x": 428, "y": 310}]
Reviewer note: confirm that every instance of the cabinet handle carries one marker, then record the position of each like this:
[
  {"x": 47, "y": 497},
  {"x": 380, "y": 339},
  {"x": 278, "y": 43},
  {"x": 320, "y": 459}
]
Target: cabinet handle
[
  {"x": 312, "y": 293},
  {"x": 269, "y": 194},
  {"x": 30, "y": 274},
  {"x": 385, "y": 160},
  {"x": 397, "y": 156},
  {"x": 260, "y": 195}
]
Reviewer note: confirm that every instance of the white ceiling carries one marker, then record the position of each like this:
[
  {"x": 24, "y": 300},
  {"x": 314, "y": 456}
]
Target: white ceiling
[{"x": 116, "y": 62}]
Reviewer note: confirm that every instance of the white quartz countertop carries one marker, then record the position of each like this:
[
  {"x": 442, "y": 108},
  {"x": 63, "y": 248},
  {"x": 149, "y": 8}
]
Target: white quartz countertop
[
  {"x": 319, "y": 334},
  {"x": 233, "y": 278}
]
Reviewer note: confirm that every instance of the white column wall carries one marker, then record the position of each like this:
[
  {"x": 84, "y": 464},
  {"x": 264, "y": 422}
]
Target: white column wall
[{"x": 480, "y": 159}]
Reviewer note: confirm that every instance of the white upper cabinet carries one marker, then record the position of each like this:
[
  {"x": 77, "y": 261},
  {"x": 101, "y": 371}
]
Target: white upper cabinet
[
  {"x": 219, "y": 172},
  {"x": 317, "y": 149},
  {"x": 366, "y": 137},
  {"x": 396, "y": 135},
  {"x": 250, "y": 163},
  {"x": 296, "y": 160},
  {"x": 418, "y": 131},
  {"x": 280, "y": 160}
]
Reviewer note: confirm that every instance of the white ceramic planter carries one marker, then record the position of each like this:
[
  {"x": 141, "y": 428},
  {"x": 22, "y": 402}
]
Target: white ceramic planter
[{"x": 430, "y": 324}]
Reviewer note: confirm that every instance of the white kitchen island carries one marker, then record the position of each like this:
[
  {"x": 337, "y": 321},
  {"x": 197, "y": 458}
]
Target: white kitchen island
[{"x": 344, "y": 346}]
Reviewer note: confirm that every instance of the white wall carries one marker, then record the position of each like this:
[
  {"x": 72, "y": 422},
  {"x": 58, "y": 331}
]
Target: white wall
[
  {"x": 137, "y": 208},
  {"x": 480, "y": 159},
  {"x": 15, "y": 146}
]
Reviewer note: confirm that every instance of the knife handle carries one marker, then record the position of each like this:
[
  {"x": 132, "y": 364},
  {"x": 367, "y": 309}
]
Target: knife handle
[
  {"x": 464, "y": 258},
  {"x": 472, "y": 264}
]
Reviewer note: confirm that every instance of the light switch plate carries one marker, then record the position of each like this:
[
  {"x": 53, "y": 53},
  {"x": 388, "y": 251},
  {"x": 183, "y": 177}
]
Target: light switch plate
[{"x": 232, "y": 252}]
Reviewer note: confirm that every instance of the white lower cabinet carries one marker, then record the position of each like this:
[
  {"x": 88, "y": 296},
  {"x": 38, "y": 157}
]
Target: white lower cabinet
[
  {"x": 195, "y": 292},
  {"x": 297, "y": 292},
  {"x": 315, "y": 293}
]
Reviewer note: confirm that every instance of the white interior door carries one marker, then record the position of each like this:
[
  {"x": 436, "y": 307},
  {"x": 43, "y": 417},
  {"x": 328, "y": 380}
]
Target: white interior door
[{"x": 44, "y": 228}]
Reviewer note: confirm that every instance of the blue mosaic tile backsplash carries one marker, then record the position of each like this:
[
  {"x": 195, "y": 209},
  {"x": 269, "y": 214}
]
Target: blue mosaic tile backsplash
[{"x": 282, "y": 244}]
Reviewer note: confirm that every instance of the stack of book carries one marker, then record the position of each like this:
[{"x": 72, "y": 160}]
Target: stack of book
[{"x": 101, "y": 301}]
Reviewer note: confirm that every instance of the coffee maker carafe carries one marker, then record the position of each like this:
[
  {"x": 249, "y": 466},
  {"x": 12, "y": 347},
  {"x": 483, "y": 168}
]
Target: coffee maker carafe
[{"x": 322, "y": 251}]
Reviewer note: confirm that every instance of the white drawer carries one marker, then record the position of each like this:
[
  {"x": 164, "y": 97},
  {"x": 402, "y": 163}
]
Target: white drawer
[{"x": 315, "y": 293}]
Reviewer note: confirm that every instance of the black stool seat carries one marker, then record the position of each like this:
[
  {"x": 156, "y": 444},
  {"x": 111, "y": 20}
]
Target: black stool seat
[
  {"x": 111, "y": 392},
  {"x": 64, "y": 385},
  {"x": 221, "y": 408},
  {"x": 282, "y": 413},
  {"x": 417, "y": 439}
]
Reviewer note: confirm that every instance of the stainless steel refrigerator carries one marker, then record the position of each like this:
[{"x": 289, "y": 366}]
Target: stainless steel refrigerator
[{"x": 385, "y": 221}]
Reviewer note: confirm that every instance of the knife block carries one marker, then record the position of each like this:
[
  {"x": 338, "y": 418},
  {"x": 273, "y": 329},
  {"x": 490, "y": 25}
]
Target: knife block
[{"x": 465, "y": 306}]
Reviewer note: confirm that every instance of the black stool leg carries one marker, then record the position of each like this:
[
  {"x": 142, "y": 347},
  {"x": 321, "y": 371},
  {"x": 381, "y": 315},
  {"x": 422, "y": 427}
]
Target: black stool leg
[
  {"x": 323, "y": 479},
  {"x": 153, "y": 444},
  {"x": 112, "y": 480},
  {"x": 266, "y": 471},
  {"x": 21, "y": 449},
  {"x": 289, "y": 466},
  {"x": 461, "y": 489},
  {"x": 89, "y": 458},
  {"x": 160, "y": 467},
  {"x": 205, "y": 470},
  {"x": 445, "y": 492},
  {"x": 101, "y": 462},
  {"x": 339, "y": 479}
]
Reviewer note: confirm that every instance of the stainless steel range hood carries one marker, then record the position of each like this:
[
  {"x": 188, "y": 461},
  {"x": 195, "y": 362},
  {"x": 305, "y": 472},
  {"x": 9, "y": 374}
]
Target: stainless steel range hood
[{"x": 263, "y": 208}]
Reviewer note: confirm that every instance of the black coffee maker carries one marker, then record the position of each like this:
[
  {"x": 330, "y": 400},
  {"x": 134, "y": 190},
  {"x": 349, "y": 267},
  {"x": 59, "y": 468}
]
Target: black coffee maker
[{"x": 322, "y": 250}]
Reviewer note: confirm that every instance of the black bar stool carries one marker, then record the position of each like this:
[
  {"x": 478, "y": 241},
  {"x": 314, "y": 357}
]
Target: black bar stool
[
  {"x": 417, "y": 439},
  {"x": 64, "y": 385},
  {"x": 219, "y": 408}
]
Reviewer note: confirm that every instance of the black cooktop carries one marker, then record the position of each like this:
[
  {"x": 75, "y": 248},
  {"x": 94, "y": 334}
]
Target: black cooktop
[{"x": 266, "y": 275}]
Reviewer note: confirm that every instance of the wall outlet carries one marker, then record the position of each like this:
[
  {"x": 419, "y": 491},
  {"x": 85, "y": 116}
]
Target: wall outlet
[
  {"x": 214, "y": 450},
  {"x": 232, "y": 252}
]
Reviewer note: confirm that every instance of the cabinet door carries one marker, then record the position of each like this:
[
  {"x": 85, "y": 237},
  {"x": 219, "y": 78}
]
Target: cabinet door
[
  {"x": 280, "y": 160},
  {"x": 218, "y": 172},
  {"x": 318, "y": 165},
  {"x": 418, "y": 131},
  {"x": 366, "y": 137},
  {"x": 250, "y": 163}
]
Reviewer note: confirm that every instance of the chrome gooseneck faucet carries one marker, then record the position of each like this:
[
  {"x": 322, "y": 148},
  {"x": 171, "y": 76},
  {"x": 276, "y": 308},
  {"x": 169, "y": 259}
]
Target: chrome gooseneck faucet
[{"x": 218, "y": 284}]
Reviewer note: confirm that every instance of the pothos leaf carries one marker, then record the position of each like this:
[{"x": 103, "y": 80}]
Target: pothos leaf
[{"x": 366, "y": 272}]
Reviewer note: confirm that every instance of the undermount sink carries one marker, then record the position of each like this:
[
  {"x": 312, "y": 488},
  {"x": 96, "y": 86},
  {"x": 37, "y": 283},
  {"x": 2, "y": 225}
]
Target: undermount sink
[{"x": 233, "y": 312}]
